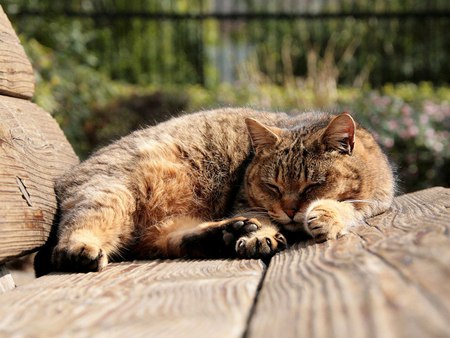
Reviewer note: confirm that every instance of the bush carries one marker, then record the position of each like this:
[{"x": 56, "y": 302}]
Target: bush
[
  {"x": 412, "y": 123},
  {"x": 128, "y": 113},
  {"x": 71, "y": 91}
]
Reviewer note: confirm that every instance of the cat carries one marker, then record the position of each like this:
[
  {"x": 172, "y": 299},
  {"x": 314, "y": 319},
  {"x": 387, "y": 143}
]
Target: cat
[{"x": 221, "y": 183}]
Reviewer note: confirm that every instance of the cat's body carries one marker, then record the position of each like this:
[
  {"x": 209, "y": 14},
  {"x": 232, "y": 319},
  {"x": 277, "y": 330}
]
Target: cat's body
[{"x": 220, "y": 183}]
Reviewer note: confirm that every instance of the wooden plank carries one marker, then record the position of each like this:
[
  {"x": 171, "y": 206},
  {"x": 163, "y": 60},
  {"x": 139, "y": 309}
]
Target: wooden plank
[
  {"x": 210, "y": 298},
  {"x": 6, "y": 280},
  {"x": 33, "y": 152},
  {"x": 16, "y": 72},
  {"x": 389, "y": 279},
  {"x": 22, "y": 269}
]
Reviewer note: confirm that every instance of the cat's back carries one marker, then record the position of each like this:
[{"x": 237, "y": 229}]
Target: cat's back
[
  {"x": 212, "y": 130},
  {"x": 207, "y": 126}
]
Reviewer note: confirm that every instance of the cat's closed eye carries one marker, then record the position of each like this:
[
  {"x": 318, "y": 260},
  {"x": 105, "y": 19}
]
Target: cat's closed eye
[
  {"x": 273, "y": 188},
  {"x": 311, "y": 187}
]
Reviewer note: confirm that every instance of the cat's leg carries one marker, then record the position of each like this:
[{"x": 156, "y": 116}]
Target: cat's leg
[
  {"x": 217, "y": 238},
  {"x": 251, "y": 237},
  {"x": 95, "y": 225},
  {"x": 191, "y": 237},
  {"x": 327, "y": 219}
]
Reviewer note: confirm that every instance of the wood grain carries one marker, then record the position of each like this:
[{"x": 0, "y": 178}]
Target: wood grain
[
  {"x": 16, "y": 73},
  {"x": 33, "y": 152},
  {"x": 6, "y": 280},
  {"x": 389, "y": 279},
  {"x": 210, "y": 298}
]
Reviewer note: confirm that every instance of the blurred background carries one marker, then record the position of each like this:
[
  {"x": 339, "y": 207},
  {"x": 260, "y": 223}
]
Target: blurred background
[{"x": 106, "y": 67}]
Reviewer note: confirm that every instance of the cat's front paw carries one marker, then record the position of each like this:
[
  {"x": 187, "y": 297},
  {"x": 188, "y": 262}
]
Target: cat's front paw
[
  {"x": 77, "y": 256},
  {"x": 324, "y": 220},
  {"x": 260, "y": 244}
]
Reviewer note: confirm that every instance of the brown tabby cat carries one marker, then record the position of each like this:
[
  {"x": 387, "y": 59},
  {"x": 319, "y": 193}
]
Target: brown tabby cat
[{"x": 220, "y": 183}]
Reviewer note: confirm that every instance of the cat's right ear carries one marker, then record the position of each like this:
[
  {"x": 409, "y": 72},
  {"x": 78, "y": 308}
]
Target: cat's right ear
[
  {"x": 340, "y": 134},
  {"x": 261, "y": 135}
]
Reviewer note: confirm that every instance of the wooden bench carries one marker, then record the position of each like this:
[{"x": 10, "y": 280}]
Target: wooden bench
[{"x": 388, "y": 278}]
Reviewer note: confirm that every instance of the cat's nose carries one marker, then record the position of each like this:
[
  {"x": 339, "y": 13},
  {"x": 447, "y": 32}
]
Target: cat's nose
[{"x": 290, "y": 212}]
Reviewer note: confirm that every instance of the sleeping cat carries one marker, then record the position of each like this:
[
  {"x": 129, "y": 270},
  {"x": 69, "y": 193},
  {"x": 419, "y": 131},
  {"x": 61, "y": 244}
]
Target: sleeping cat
[{"x": 222, "y": 183}]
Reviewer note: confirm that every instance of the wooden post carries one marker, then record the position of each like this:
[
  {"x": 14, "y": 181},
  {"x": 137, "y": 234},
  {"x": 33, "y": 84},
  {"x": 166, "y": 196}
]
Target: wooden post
[
  {"x": 33, "y": 152},
  {"x": 16, "y": 73}
]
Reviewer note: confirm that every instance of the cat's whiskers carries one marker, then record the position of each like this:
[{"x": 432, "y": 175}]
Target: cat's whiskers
[
  {"x": 257, "y": 209},
  {"x": 254, "y": 213},
  {"x": 359, "y": 201}
]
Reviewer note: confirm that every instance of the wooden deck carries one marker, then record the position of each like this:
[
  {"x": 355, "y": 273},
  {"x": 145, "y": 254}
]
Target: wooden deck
[{"x": 390, "y": 278}]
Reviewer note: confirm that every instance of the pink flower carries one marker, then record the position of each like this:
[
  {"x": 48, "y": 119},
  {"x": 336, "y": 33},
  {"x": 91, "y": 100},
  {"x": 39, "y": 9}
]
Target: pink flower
[
  {"x": 381, "y": 101},
  {"x": 424, "y": 119},
  {"x": 388, "y": 142},
  {"x": 408, "y": 121},
  {"x": 429, "y": 133},
  {"x": 438, "y": 146},
  {"x": 392, "y": 125},
  {"x": 413, "y": 131},
  {"x": 406, "y": 110}
]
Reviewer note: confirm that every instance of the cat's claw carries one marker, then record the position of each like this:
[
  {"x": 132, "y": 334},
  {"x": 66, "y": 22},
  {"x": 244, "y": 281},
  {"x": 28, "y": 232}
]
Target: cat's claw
[{"x": 310, "y": 220}]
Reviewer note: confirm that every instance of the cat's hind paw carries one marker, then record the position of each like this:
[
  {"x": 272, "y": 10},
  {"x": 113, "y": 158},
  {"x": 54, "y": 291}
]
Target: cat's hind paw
[
  {"x": 78, "y": 257},
  {"x": 238, "y": 227},
  {"x": 216, "y": 239},
  {"x": 261, "y": 244}
]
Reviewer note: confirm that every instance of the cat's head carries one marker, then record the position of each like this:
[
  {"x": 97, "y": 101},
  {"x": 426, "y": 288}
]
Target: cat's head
[{"x": 293, "y": 167}]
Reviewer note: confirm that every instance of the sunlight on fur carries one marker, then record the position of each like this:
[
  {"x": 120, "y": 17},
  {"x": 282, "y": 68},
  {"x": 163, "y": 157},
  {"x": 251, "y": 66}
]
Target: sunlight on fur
[{"x": 222, "y": 183}]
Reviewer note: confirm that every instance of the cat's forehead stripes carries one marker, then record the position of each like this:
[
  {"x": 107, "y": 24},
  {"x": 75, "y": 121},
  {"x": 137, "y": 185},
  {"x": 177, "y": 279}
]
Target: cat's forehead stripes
[{"x": 291, "y": 163}]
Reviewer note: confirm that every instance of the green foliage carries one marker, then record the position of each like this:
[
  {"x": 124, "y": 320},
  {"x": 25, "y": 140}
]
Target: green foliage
[
  {"x": 85, "y": 67},
  {"x": 144, "y": 50},
  {"x": 70, "y": 91},
  {"x": 127, "y": 113}
]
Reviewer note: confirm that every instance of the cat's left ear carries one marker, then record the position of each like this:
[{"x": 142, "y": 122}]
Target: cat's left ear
[
  {"x": 340, "y": 134},
  {"x": 261, "y": 135}
]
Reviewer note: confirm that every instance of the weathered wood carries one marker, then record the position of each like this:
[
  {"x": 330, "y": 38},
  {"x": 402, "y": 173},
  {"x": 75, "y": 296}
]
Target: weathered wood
[
  {"x": 6, "y": 280},
  {"x": 33, "y": 152},
  {"x": 389, "y": 279},
  {"x": 16, "y": 73},
  {"x": 146, "y": 299}
]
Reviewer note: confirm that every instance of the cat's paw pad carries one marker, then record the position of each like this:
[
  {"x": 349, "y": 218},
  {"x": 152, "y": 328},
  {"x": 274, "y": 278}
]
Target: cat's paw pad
[
  {"x": 323, "y": 221},
  {"x": 238, "y": 227},
  {"x": 78, "y": 257},
  {"x": 260, "y": 245}
]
